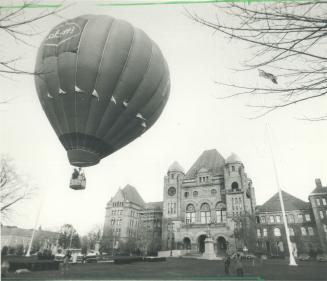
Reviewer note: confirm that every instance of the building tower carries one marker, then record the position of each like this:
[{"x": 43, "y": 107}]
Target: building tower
[
  {"x": 171, "y": 203},
  {"x": 239, "y": 189}
]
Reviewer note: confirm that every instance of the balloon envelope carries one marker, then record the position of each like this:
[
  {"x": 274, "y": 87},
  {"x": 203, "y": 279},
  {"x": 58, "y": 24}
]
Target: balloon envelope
[{"x": 102, "y": 83}]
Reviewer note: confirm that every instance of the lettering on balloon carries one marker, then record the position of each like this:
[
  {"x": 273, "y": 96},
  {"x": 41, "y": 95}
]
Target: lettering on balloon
[{"x": 62, "y": 33}]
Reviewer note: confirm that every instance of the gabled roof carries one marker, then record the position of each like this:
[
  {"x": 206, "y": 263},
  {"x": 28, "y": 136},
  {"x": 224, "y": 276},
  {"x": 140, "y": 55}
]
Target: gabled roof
[
  {"x": 210, "y": 160},
  {"x": 154, "y": 205},
  {"x": 291, "y": 203},
  {"x": 130, "y": 193}
]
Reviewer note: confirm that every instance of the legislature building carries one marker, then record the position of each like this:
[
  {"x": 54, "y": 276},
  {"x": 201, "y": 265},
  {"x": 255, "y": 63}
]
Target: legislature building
[{"x": 215, "y": 198}]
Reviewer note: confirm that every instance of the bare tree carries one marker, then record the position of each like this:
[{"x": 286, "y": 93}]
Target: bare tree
[
  {"x": 68, "y": 237},
  {"x": 18, "y": 23},
  {"x": 13, "y": 188},
  {"x": 288, "y": 41}
]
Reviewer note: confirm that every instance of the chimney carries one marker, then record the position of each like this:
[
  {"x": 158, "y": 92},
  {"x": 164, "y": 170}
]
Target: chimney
[{"x": 318, "y": 183}]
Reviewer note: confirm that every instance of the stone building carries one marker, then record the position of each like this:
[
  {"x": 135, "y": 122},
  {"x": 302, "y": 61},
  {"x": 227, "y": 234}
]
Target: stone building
[
  {"x": 318, "y": 202},
  {"x": 129, "y": 218},
  {"x": 216, "y": 197},
  {"x": 307, "y": 223},
  {"x": 207, "y": 198}
]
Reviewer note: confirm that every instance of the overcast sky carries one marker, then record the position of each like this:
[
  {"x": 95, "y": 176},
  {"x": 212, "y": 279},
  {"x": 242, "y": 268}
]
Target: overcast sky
[{"x": 194, "y": 120}]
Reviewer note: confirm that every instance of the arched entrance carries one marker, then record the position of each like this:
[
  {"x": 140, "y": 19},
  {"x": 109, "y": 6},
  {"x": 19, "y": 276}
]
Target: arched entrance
[
  {"x": 201, "y": 244},
  {"x": 221, "y": 245},
  {"x": 186, "y": 243}
]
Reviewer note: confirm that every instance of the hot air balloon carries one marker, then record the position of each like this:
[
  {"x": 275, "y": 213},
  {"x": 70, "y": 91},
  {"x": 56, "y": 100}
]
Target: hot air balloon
[{"x": 102, "y": 83}]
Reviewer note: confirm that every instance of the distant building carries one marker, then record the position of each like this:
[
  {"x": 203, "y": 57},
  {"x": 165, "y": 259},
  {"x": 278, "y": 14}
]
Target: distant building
[
  {"x": 307, "y": 222},
  {"x": 13, "y": 236}
]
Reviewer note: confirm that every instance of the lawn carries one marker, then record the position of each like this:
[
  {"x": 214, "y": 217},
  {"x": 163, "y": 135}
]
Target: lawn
[{"x": 181, "y": 268}]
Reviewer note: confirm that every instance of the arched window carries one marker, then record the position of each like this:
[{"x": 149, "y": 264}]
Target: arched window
[
  {"x": 234, "y": 186},
  {"x": 205, "y": 213},
  {"x": 195, "y": 194},
  {"x": 277, "y": 232},
  {"x": 291, "y": 219},
  {"x": 213, "y": 191},
  {"x": 221, "y": 212},
  {"x": 303, "y": 231},
  {"x": 190, "y": 214},
  {"x": 291, "y": 231},
  {"x": 186, "y": 194},
  {"x": 258, "y": 232}
]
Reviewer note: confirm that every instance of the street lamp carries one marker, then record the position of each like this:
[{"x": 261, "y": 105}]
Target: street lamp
[{"x": 170, "y": 236}]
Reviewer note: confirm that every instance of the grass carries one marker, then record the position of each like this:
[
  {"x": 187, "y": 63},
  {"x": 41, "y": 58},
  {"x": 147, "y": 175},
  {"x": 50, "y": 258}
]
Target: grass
[{"x": 181, "y": 269}]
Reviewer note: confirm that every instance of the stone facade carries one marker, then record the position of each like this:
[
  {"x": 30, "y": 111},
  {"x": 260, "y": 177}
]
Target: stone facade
[
  {"x": 128, "y": 218},
  {"x": 216, "y": 197},
  {"x": 206, "y": 199},
  {"x": 307, "y": 224}
]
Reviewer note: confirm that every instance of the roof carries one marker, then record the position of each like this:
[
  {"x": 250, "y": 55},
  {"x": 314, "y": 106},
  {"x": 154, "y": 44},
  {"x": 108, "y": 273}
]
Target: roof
[
  {"x": 233, "y": 158},
  {"x": 130, "y": 193},
  {"x": 210, "y": 160},
  {"x": 154, "y": 205},
  {"x": 175, "y": 167},
  {"x": 16, "y": 231},
  {"x": 291, "y": 203}
]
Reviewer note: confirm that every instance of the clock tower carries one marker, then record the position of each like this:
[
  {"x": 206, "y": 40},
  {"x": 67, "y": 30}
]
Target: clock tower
[{"x": 172, "y": 198}]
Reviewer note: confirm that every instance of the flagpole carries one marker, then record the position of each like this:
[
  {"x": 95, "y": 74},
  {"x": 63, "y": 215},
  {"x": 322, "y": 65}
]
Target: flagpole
[
  {"x": 28, "y": 254},
  {"x": 292, "y": 259}
]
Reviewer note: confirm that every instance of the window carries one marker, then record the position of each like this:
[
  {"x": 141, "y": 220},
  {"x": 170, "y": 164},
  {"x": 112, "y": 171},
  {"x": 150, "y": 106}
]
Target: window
[
  {"x": 277, "y": 232},
  {"x": 278, "y": 219},
  {"x": 119, "y": 222},
  {"x": 172, "y": 176},
  {"x": 205, "y": 213},
  {"x": 265, "y": 233},
  {"x": 325, "y": 228},
  {"x": 263, "y": 219},
  {"x": 195, "y": 194},
  {"x": 258, "y": 233},
  {"x": 318, "y": 201},
  {"x": 307, "y": 217},
  {"x": 310, "y": 230},
  {"x": 221, "y": 212},
  {"x": 113, "y": 212},
  {"x": 271, "y": 219},
  {"x": 171, "y": 208},
  {"x": 190, "y": 214},
  {"x": 321, "y": 214},
  {"x": 112, "y": 221},
  {"x": 300, "y": 218},
  {"x": 233, "y": 168},
  {"x": 213, "y": 191},
  {"x": 186, "y": 194},
  {"x": 291, "y": 219},
  {"x": 303, "y": 231},
  {"x": 291, "y": 231},
  {"x": 234, "y": 186},
  {"x": 324, "y": 202}
]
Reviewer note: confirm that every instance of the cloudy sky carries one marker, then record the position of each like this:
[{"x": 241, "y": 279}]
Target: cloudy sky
[{"x": 194, "y": 120}]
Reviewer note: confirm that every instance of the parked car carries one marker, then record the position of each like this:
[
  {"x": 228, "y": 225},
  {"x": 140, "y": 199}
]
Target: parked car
[
  {"x": 304, "y": 257},
  {"x": 322, "y": 257},
  {"x": 59, "y": 257}
]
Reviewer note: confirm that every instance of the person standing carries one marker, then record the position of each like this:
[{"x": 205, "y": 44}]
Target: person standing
[
  {"x": 227, "y": 265},
  {"x": 65, "y": 266},
  {"x": 239, "y": 266}
]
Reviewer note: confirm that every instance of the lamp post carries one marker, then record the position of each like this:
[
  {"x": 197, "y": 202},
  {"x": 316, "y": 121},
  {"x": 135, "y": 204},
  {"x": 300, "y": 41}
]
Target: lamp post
[{"x": 170, "y": 236}]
